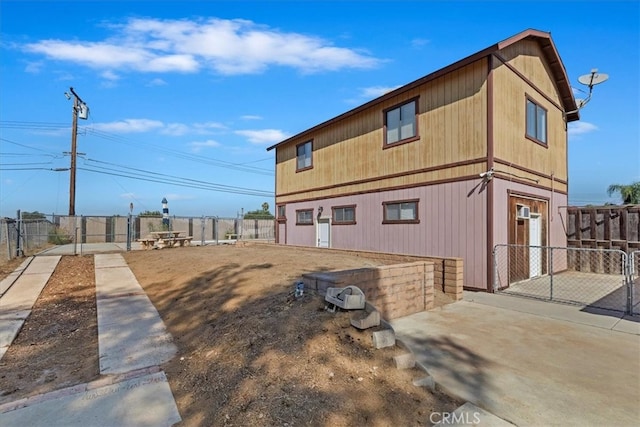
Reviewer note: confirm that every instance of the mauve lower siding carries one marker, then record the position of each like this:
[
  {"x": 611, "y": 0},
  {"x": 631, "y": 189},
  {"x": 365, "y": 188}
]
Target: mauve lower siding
[{"x": 452, "y": 224}]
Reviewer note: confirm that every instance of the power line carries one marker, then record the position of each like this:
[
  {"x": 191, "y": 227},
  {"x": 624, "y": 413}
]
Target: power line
[
  {"x": 88, "y": 130},
  {"x": 166, "y": 175},
  {"x": 138, "y": 174},
  {"x": 179, "y": 154},
  {"x": 11, "y": 124},
  {"x": 27, "y": 146},
  {"x": 247, "y": 192}
]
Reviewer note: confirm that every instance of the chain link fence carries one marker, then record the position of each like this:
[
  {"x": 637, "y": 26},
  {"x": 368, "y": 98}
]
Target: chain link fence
[
  {"x": 634, "y": 287},
  {"x": 598, "y": 278},
  {"x": 24, "y": 236}
]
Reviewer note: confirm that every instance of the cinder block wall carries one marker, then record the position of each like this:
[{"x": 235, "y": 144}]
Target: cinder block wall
[{"x": 395, "y": 290}]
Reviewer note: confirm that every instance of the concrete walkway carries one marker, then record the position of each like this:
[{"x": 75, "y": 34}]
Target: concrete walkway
[
  {"x": 132, "y": 343},
  {"x": 18, "y": 292},
  {"x": 529, "y": 362}
]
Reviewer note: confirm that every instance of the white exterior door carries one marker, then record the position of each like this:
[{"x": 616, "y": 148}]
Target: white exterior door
[
  {"x": 535, "y": 239},
  {"x": 323, "y": 232}
]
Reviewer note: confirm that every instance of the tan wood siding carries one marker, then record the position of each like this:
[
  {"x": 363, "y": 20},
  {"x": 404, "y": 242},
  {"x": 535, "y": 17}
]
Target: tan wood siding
[
  {"x": 452, "y": 129},
  {"x": 510, "y": 143},
  {"x": 527, "y": 57}
]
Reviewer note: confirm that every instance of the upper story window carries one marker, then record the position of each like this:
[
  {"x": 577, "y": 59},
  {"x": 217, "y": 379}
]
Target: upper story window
[
  {"x": 304, "y": 217},
  {"x": 405, "y": 211},
  {"x": 344, "y": 214},
  {"x": 303, "y": 156},
  {"x": 400, "y": 123},
  {"x": 536, "y": 122}
]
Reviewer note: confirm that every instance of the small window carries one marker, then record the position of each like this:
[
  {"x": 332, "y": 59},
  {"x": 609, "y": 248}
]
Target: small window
[
  {"x": 304, "y": 217},
  {"x": 401, "y": 212},
  {"x": 281, "y": 211},
  {"x": 344, "y": 214},
  {"x": 400, "y": 123},
  {"x": 536, "y": 122},
  {"x": 303, "y": 155}
]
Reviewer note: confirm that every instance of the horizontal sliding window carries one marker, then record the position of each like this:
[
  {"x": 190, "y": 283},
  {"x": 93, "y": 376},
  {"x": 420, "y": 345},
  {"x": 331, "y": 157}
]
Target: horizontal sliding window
[
  {"x": 304, "y": 217},
  {"x": 344, "y": 214},
  {"x": 405, "y": 211}
]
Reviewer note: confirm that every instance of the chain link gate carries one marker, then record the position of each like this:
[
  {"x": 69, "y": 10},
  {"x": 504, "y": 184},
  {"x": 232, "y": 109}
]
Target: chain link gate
[
  {"x": 634, "y": 282},
  {"x": 596, "y": 278}
]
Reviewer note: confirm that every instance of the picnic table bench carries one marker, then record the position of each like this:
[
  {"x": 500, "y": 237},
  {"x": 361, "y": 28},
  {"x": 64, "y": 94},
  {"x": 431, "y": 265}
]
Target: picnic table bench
[{"x": 165, "y": 239}]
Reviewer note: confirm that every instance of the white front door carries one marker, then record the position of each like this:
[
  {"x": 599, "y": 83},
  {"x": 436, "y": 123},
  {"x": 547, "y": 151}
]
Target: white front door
[
  {"x": 535, "y": 239},
  {"x": 323, "y": 233}
]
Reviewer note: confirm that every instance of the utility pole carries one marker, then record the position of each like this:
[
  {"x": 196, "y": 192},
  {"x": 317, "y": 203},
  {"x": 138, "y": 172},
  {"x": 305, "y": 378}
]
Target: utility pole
[{"x": 81, "y": 109}]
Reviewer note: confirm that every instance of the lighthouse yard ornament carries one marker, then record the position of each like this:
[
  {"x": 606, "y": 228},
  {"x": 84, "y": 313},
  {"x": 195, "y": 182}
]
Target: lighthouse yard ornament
[{"x": 165, "y": 213}]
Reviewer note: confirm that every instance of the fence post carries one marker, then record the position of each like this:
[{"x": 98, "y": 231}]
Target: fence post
[
  {"x": 129, "y": 232},
  {"x": 18, "y": 227},
  {"x": 8, "y": 238},
  {"x": 629, "y": 279},
  {"x": 202, "y": 228},
  {"x": 551, "y": 274},
  {"x": 495, "y": 269}
]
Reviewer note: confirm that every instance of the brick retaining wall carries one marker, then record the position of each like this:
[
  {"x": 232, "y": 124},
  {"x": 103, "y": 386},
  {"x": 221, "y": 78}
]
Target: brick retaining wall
[{"x": 394, "y": 290}]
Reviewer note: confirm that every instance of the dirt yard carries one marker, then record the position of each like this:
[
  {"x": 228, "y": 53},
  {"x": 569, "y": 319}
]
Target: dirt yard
[{"x": 249, "y": 353}]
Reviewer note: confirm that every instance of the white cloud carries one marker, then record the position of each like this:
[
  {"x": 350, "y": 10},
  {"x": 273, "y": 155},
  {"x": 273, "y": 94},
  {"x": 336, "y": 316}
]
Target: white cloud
[
  {"x": 197, "y": 146},
  {"x": 33, "y": 67},
  {"x": 129, "y": 126},
  {"x": 581, "y": 128},
  {"x": 264, "y": 136},
  {"x": 157, "y": 82},
  {"x": 148, "y": 125},
  {"x": 175, "y": 129},
  {"x": 207, "y": 127},
  {"x": 250, "y": 117},
  {"x": 376, "y": 91},
  {"x": 128, "y": 196},
  {"x": 418, "y": 43},
  {"x": 109, "y": 75},
  {"x": 225, "y": 46}
]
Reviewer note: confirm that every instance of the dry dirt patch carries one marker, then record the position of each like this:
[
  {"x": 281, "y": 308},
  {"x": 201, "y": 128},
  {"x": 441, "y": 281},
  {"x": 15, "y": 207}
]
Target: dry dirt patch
[
  {"x": 249, "y": 354},
  {"x": 58, "y": 344}
]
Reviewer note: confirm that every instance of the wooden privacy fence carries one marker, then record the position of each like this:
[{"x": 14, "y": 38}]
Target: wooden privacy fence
[{"x": 604, "y": 227}]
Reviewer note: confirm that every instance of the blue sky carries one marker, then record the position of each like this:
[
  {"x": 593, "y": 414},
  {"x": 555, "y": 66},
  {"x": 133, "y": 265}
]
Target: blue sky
[{"x": 186, "y": 96}]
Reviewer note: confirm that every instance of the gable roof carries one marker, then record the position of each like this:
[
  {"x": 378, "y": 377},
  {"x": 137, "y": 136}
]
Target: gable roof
[{"x": 549, "y": 51}]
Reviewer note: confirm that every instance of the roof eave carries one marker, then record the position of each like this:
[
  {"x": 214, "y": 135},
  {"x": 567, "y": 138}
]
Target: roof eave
[{"x": 548, "y": 48}]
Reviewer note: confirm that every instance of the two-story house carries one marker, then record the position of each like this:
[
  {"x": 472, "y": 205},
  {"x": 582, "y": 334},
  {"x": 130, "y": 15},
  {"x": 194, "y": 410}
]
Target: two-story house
[{"x": 452, "y": 164}]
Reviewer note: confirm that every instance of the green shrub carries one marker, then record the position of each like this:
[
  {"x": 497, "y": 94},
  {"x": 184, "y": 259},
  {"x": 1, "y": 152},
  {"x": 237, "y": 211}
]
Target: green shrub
[{"x": 57, "y": 237}]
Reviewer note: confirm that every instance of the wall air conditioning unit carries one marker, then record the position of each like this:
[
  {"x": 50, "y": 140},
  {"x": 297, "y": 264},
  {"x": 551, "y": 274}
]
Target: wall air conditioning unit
[{"x": 523, "y": 212}]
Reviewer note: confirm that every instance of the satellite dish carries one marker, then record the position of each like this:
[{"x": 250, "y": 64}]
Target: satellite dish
[
  {"x": 593, "y": 79},
  {"x": 581, "y": 102}
]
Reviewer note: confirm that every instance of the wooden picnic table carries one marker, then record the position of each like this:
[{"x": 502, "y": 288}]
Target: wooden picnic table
[
  {"x": 165, "y": 234},
  {"x": 164, "y": 239}
]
